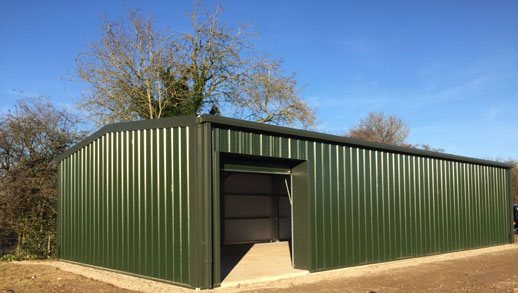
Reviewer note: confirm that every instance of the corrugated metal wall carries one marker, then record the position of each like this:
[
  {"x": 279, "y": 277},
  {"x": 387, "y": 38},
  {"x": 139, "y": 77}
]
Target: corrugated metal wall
[
  {"x": 124, "y": 203},
  {"x": 370, "y": 206}
]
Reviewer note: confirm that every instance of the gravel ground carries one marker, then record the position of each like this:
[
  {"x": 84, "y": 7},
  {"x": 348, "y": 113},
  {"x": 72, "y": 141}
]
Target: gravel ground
[
  {"x": 481, "y": 270},
  {"x": 493, "y": 269},
  {"x": 20, "y": 277},
  {"x": 129, "y": 283}
]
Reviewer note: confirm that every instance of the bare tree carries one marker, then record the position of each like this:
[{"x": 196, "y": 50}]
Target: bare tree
[
  {"x": 212, "y": 56},
  {"x": 270, "y": 97},
  {"x": 381, "y": 128},
  {"x": 132, "y": 72},
  {"x": 30, "y": 138},
  {"x": 136, "y": 72},
  {"x": 426, "y": 147}
]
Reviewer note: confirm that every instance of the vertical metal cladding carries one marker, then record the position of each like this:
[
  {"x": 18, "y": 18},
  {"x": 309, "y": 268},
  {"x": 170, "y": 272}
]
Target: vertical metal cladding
[
  {"x": 371, "y": 205},
  {"x": 138, "y": 198},
  {"x": 124, "y": 203}
]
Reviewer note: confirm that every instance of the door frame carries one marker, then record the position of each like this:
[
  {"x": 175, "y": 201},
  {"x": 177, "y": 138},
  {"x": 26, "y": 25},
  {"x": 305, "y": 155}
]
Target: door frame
[{"x": 300, "y": 228}]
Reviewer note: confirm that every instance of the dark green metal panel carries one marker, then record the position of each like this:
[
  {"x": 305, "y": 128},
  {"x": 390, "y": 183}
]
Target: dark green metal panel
[
  {"x": 333, "y": 139},
  {"x": 138, "y": 197},
  {"x": 124, "y": 203},
  {"x": 372, "y": 205},
  {"x": 301, "y": 238},
  {"x": 201, "y": 208}
]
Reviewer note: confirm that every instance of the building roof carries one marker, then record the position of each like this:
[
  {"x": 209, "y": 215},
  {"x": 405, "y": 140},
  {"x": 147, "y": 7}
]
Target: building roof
[{"x": 278, "y": 130}]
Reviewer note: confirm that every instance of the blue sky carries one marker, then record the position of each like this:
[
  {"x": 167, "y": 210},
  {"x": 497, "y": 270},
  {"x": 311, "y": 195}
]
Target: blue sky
[{"x": 448, "y": 68}]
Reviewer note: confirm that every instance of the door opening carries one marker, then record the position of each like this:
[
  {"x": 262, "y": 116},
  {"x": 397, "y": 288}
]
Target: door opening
[{"x": 255, "y": 222}]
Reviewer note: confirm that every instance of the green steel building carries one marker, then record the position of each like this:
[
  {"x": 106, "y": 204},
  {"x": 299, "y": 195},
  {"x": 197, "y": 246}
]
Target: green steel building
[{"x": 162, "y": 198}]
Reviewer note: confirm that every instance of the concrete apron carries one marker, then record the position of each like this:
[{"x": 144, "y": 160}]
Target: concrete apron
[{"x": 262, "y": 262}]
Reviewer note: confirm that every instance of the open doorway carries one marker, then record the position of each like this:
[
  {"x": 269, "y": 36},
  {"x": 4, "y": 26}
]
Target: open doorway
[{"x": 255, "y": 225}]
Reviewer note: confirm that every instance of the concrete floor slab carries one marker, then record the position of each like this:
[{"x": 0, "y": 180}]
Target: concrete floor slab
[{"x": 251, "y": 263}]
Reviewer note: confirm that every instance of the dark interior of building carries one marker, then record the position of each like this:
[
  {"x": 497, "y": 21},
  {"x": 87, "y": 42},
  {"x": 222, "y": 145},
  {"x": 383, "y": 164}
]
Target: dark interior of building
[{"x": 255, "y": 208}]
